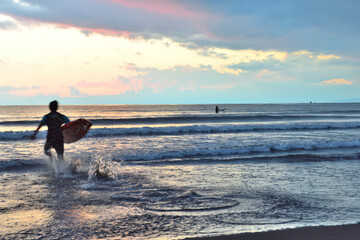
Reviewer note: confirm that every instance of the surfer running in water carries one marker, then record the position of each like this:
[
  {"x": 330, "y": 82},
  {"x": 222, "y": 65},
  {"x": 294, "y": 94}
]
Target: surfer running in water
[{"x": 54, "y": 138}]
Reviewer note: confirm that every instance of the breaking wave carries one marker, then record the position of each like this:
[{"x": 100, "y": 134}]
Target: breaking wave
[{"x": 195, "y": 129}]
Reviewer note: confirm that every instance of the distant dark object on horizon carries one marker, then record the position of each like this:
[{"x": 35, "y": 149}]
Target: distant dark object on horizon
[{"x": 218, "y": 110}]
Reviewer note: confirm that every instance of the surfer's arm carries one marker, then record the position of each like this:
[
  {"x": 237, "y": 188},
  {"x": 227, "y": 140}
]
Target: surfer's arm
[
  {"x": 43, "y": 121},
  {"x": 32, "y": 137}
]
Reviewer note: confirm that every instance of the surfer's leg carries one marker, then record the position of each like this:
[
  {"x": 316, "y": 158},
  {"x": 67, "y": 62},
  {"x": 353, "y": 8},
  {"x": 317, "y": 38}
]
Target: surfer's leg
[
  {"x": 47, "y": 148},
  {"x": 47, "y": 152},
  {"x": 59, "y": 148}
]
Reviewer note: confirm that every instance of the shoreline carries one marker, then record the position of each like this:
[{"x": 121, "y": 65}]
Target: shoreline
[{"x": 338, "y": 232}]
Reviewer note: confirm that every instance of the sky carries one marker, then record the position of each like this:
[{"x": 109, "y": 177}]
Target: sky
[{"x": 179, "y": 52}]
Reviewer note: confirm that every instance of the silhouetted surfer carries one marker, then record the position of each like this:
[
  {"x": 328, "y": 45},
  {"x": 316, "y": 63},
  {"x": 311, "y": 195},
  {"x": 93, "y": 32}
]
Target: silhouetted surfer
[
  {"x": 218, "y": 110},
  {"x": 54, "y": 138}
]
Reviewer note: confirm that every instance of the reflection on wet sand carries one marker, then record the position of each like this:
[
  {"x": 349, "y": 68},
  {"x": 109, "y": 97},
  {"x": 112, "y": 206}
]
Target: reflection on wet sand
[{"x": 21, "y": 220}]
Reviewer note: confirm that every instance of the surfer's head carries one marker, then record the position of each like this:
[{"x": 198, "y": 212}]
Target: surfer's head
[{"x": 53, "y": 106}]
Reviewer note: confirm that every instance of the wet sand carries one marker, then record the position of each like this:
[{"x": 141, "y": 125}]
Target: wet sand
[{"x": 344, "y": 232}]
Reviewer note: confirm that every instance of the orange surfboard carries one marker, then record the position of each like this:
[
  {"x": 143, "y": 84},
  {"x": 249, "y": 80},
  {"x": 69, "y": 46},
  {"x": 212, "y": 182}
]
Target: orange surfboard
[{"x": 75, "y": 130}]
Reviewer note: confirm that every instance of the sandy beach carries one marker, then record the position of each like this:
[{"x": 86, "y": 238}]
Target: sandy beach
[{"x": 344, "y": 232}]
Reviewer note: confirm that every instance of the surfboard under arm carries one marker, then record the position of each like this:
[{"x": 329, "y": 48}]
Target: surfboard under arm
[{"x": 75, "y": 130}]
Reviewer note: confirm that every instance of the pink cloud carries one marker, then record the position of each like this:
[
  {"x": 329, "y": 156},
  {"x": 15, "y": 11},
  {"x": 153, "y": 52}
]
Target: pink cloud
[
  {"x": 115, "y": 87},
  {"x": 263, "y": 73},
  {"x": 86, "y": 30},
  {"x": 336, "y": 81},
  {"x": 122, "y": 18},
  {"x": 25, "y": 92},
  {"x": 102, "y": 31},
  {"x": 163, "y": 7}
]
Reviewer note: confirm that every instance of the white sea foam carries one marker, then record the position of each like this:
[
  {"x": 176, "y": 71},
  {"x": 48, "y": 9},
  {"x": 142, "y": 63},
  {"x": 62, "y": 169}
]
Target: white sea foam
[
  {"x": 194, "y": 129},
  {"x": 206, "y": 152},
  {"x": 223, "y": 128}
]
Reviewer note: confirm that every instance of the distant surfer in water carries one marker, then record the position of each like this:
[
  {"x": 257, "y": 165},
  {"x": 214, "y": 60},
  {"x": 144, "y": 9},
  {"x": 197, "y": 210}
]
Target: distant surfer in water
[
  {"x": 54, "y": 138},
  {"x": 217, "y": 110}
]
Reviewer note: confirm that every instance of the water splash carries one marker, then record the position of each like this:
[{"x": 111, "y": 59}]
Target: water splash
[
  {"x": 59, "y": 165},
  {"x": 75, "y": 165},
  {"x": 104, "y": 168},
  {"x": 69, "y": 166}
]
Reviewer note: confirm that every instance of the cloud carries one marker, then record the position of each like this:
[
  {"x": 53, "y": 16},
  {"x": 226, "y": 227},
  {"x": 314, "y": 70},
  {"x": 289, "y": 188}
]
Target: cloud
[
  {"x": 7, "y": 25},
  {"x": 227, "y": 59},
  {"x": 183, "y": 78},
  {"x": 311, "y": 55},
  {"x": 33, "y": 91},
  {"x": 22, "y": 3},
  {"x": 161, "y": 45},
  {"x": 287, "y": 24},
  {"x": 218, "y": 86},
  {"x": 20, "y": 91},
  {"x": 327, "y": 57},
  {"x": 303, "y": 52},
  {"x": 232, "y": 24},
  {"x": 75, "y": 92},
  {"x": 6, "y": 89},
  {"x": 263, "y": 73},
  {"x": 116, "y": 87},
  {"x": 132, "y": 19},
  {"x": 337, "y": 81},
  {"x": 171, "y": 8},
  {"x": 159, "y": 85},
  {"x": 132, "y": 70},
  {"x": 267, "y": 75},
  {"x": 44, "y": 90}
]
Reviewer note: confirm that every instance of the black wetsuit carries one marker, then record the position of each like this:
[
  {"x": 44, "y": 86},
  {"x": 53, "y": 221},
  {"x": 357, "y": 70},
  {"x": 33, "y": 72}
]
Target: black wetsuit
[{"x": 54, "y": 138}]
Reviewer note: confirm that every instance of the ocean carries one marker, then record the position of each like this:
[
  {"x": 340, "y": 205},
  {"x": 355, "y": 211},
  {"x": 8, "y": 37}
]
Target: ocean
[{"x": 176, "y": 171}]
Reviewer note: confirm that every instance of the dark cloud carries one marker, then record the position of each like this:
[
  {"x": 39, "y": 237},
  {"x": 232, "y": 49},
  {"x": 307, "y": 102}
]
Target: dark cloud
[
  {"x": 96, "y": 15},
  {"x": 321, "y": 25}
]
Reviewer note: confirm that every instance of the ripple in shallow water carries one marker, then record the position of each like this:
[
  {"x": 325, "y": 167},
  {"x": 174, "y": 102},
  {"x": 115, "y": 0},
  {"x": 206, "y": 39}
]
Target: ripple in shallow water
[{"x": 192, "y": 204}]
